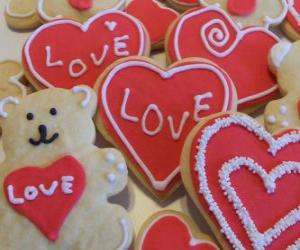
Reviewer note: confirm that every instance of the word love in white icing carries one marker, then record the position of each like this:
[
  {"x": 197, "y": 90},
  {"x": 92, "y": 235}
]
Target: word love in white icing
[
  {"x": 77, "y": 67},
  {"x": 32, "y": 192},
  {"x": 176, "y": 133}
]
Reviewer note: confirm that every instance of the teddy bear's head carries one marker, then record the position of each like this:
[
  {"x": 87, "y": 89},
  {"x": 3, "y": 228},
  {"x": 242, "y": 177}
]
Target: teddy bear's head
[
  {"x": 49, "y": 122},
  {"x": 284, "y": 62}
]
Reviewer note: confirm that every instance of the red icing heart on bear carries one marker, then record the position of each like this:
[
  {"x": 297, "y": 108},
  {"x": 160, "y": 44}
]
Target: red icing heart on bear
[
  {"x": 170, "y": 232},
  {"x": 241, "y": 8},
  {"x": 45, "y": 196},
  {"x": 157, "y": 20},
  {"x": 253, "y": 174},
  {"x": 81, "y": 4},
  {"x": 210, "y": 33},
  {"x": 65, "y": 53},
  {"x": 141, "y": 109}
]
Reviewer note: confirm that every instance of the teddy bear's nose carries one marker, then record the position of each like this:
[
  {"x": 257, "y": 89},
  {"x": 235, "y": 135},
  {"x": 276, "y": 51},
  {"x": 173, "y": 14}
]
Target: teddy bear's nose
[{"x": 43, "y": 130}]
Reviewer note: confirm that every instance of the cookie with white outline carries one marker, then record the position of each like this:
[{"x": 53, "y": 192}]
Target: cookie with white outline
[
  {"x": 264, "y": 13},
  {"x": 183, "y": 5},
  {"x": 22, "y": 15},
  {"x": 236, "y": 173},
  {"x": 291, "y": 24},
  {"x": 171, "y": 230},
  {"x": 78, "y": 10},
  {"x": 285, "y": 112},
  {"x": 55, "y": 181}
]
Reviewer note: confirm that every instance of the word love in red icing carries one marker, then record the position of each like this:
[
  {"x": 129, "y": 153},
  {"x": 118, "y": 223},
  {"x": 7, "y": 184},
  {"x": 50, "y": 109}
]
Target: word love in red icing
[
  {"x": 46, "y": 195},
  {"x": 65, "y": 53},
  {"x": 241, "y": 8},
  {"x": 81, "y": 4},
  {"x": 142, "y": 109},
  {"x": 171, "y": 231}
]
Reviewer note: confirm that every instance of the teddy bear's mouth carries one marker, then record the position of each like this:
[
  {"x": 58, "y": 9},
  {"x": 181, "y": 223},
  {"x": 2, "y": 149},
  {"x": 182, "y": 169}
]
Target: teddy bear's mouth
[{"x": 43, "y": 137}]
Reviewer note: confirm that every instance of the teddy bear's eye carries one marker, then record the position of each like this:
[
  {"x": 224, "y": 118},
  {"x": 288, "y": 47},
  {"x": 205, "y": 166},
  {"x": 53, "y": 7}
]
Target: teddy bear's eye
[
  {"x": 53, "y": 111},
  {"x": 29, "y": 116}
]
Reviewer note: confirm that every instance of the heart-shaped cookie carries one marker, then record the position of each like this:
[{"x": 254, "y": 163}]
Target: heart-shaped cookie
[
  {"x": 157, "y": 20},
  {"x": 147, "y": 111},
  {"x": 210, "y": 33},
  {"x": 46, "y": 195},
  {"x": 241, "y": 8},
  {"x": 252, "y": 175},
  {"x": 291, "y": 25},
  {"x": 170, "y": 230},
  {"x": 65, "y": 53}
]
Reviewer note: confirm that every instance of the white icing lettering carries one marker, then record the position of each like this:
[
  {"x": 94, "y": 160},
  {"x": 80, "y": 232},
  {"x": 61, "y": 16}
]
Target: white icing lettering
[
  {"x": 50, "y": 191},
  {"x": 67, "y": 185},
  {"x": 124, "y": 114},
  {"x": 154, "y": 108},
  {"x": 80, "y": 63},
  {"x": 199, "y": 107},
  {"x": 176, "y": 134},
  {"x": 12, "y": 198},
  {"x": 30, "y": 193},
  {"x": 49, "y": 62},
  {"x": 120, "y": 46},
  {"x": 111, "y": 25},
  {"x": 99, "y": 61}
]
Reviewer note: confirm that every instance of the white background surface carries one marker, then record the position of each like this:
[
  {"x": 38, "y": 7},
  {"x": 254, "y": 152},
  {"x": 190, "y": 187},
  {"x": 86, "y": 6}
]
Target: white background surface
[{"x": 134, "y": 198}]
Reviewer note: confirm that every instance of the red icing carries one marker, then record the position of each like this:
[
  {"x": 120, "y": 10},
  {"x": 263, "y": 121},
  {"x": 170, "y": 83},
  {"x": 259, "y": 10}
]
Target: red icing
[
  {"x": 81, "y": 4},
  {"x": 169, "y": 232},
  {"x": 48, "y": 213},
  {"x": 68, "y": 42},
  {"x": 290, "y": 18},
  {"x": 238, "y": 141},
  {"x": 148, "y": 87},
  {"x": 241, "y": 8},
  {"x": 247, "y": 64},
  {"x": 155, "y": 17}
]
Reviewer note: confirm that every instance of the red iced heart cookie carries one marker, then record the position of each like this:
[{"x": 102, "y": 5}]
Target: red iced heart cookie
[
  {"x": 45, "y": 196},
  {"x": 147, "y": 111},
  {"x": 241, "y": 8},
  {"x": 170, "y": 230},
  {"x": 253, "y": 174},
  {"x": 65, "y": 53},
  {"x": 293, "y": 18},
  {"x": 81, "y": 4},
  {"x": 210, "y": 33},
  {"x": 155, "y": 17}
]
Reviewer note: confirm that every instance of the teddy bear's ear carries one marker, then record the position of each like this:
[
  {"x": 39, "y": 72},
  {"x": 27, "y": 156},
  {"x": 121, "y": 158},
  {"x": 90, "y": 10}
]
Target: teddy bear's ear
[
  {"x": 87, "y": 97},
  {"x": 277, "y": 54},
  {"x": 5, "y": 101}
]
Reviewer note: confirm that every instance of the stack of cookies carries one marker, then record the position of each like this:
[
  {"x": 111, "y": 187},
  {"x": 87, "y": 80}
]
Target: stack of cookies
[{"x": 202, "y": 93}]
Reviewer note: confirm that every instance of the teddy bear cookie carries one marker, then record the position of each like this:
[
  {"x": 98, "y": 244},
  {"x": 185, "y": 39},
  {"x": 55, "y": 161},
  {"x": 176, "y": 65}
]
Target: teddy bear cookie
[
  {"x": 285, "y": 112},
  {"x": 22, "y": 15},
  {"x": 171, "y": 230},
  {"x": 254, "y": 173},
  {"x": 183, "y": 5},
  {"x": 12, "y": 82},
  {"x": 252, "y": 12},
  {"x": 55, "y": 181},
  {"x": 78, "y": 10},
  {"x": 291, "y": 24}
]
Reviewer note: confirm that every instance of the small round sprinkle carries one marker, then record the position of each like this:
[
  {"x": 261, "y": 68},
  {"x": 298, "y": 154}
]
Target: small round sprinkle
[
  {"x": 110, "y": 158},
  {"x": 111, "y": 178},
  {"x": 285, "y": 124},
  {"x": 122, "y": 168},
  {"x": 283, "y": 110},
  {"x": 271, "y": 119}
]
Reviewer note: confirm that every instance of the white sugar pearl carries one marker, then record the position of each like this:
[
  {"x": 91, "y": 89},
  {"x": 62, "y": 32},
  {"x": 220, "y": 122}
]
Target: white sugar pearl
[
  {"x": 121, "y": 168},
  {"x": 283, "y": 110},
  {"x": 271, "y": 119},
  {"x": 111, "y": 178},
  {"x": 110, "y": 158}
]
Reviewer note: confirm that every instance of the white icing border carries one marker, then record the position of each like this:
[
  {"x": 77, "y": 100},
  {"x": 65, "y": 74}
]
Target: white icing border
[
  {"x": 158, "y": 185},
  {"x": 268, "y": 21},
  {"x": 275, "y": 145},
  {"x": 4, "y": 102},
  {"x": 193, "y": 241},
  {"x": 84, "y": 28},
  {"x": 120, "y": 6},
  {"x": 15, "y": 80},
  {"x": 9, "y": 12},
  {"x": 259, "y": 240},
  {"x": 123, "y": 245},
  {"x": 87, "y": 91},
  {"x": 293, "y": 11},
  {"x": 240, "y": 35}
]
